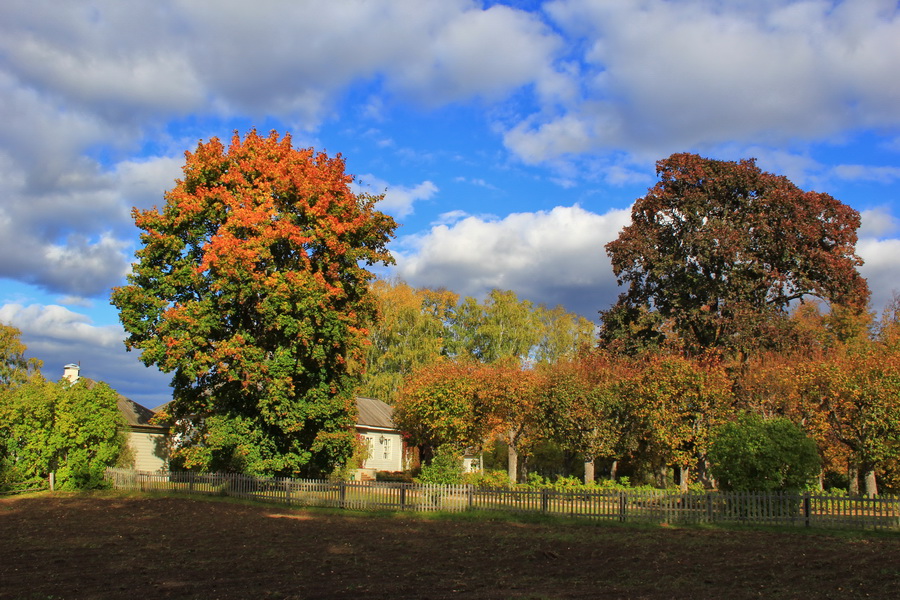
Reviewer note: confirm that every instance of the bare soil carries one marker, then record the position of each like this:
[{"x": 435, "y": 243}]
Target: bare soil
[{"x": 113, "y": 546}]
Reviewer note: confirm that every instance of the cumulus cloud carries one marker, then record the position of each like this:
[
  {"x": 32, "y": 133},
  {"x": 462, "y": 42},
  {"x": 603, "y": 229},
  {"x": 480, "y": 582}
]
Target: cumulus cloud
[
  {"x": 398, "y": 199},
  {"x": 878, "y": 222},
  {"x": 552, "y": 257},
  {"x": 664, "y": 76},
  {"x": 74, "y": 237},
  {"x": 878, "y": 174},
  {"x": 86, "y": 79},
  {"x": 130, "y": 62},
  {"x": 58, "y": 336},
  {"x": 881, "y": 268}
]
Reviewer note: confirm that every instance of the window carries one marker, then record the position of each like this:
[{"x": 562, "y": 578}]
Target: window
[{"x": 386, "y": 447}]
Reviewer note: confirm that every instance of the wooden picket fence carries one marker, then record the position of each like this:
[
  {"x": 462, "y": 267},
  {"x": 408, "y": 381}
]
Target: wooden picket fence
[{"x": 805, "y": 510}]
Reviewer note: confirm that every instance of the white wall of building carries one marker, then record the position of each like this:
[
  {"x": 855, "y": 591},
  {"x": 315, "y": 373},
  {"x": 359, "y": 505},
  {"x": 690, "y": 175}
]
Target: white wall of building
[
  {"x": 148, "y": 450},
  {"x": 385, "y": 451}
]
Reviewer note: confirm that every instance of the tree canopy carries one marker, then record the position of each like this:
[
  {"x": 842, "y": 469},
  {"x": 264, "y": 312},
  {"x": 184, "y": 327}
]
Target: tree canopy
[
  {"x": 74, "y": 430},
  {"x": 251, "y": 288},
  {"x": 411, "y": 331},
  {"x": 720, "y": 249},
  {"x": 14, "y": 367}
]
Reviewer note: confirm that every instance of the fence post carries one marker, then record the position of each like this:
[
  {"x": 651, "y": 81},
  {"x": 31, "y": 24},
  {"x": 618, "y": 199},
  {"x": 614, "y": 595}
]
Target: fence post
[
  {"x": 342, "y": 487},
  {"x": 402, "y": 496},
  {"x": 622, "y": 504},
  {"x": 471, "y": 492},
  {"x": 806, "y": 508}
]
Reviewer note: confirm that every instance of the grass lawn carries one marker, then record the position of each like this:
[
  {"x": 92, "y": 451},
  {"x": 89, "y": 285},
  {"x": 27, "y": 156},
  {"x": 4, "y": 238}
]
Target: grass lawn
[{"x": 136, "y": 546}]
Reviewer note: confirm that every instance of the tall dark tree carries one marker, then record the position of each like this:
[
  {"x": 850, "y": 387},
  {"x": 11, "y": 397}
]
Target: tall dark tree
[
  {"x": 720, "y": 249},
  {"x": 251, "y": 289}
]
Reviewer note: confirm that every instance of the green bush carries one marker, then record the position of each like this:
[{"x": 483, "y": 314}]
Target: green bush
[
  {"x": 75, "y": 431},
  {"x": 446, "y": 468},
  {"x": 756, "y": 454},
  {"x": 487, "y": 479}
]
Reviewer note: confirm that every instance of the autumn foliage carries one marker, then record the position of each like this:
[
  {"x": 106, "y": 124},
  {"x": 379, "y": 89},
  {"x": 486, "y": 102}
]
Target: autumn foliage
[
  {"x": 720, "y": 249},
  {"x": 251, "y": 289}
]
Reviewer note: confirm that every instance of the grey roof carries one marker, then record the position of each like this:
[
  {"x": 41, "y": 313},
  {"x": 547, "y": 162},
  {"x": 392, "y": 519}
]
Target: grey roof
[
  {"x": 374, "y": 413},
  {"x": 135, "y": 414}
]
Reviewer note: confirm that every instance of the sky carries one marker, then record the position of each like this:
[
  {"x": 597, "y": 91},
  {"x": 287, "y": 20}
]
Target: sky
[{"x": 510, "y": 138}]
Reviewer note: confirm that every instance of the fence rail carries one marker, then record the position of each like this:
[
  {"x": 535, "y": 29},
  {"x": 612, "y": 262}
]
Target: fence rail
[{"x": 805, "y": 510}]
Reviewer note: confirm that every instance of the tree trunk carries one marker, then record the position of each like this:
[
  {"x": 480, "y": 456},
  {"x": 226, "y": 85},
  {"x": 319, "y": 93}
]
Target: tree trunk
[
  {"x": 662, "y": 474},
  {"x": 703, "y": 474},
  {"x": 683, "y": 474},
  {"x": 512, "y": 466},
  {"x": 853, "y": 477},
  {"x": 613, "y": 470},
  {"x": 871, "y": 483},
  {"x": 588, "y": 471}
]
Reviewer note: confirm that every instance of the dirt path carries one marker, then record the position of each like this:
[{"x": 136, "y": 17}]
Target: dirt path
[{"x": 134, "y": 548}]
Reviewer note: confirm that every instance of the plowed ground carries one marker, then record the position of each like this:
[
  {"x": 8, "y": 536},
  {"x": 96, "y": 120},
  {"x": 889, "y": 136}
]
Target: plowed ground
[{"x": 112, "y": 546}]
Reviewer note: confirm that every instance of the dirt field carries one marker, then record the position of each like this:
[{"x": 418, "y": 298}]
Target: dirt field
[{"x": 107, "y": 546}]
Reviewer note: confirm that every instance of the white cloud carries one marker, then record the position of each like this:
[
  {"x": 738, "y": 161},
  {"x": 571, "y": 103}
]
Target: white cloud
[
  {"x": 877, "y": 222},
  {"x": 878, "y": 174},
  {"x": 73, "y": 237},
  {"x": 552, "y": 257},
  {"x": 479, "y": 53},
  {"x": 881, "y": 268},
  {"x": 398, "y": 199},
  {"x": 53, "y": 322},
  {"x": 97, "y": 78},
  {"x": 142, "y": 183},
  {"x": 58, "y": 336},
  {"x": 663, "y": 76}
]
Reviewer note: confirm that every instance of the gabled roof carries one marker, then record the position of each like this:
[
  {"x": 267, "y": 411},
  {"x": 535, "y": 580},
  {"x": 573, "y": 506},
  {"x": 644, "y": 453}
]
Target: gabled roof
[
  {"x": 374, "y": 413},
  {"x": 135, "y": 414}
]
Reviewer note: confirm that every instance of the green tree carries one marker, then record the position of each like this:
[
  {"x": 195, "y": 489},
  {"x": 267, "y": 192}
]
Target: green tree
[
  {"x": 250, "y": 288},
  {"x": 15, "y": 369},
  {"x": 411, "y": 331},
  {"x": 756, "y": 454},
  {"x": 720, "y": 249},
  {"x": 74, "y": 430},
  {"x": 502, "y": 327},
  {"x": 564, "y": 335}
]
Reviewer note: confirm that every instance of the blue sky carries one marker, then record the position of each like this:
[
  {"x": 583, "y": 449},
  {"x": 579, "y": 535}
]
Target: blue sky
[{"x": 511, "y": 137}]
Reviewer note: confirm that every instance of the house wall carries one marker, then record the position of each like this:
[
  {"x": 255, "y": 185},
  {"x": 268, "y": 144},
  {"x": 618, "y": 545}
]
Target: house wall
[
  {"x": 385, "y": 451},
  {"x": 149, "y": 450}
]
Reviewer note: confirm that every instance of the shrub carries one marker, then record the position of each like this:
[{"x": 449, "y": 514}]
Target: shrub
[
  {"x": 487, "y": 479},
  {"x": 446, "y": 468},
  {"x": 756, "y": 454}
]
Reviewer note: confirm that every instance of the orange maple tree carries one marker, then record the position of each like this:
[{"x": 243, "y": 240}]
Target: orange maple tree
[{"x": 251, "y": 288}]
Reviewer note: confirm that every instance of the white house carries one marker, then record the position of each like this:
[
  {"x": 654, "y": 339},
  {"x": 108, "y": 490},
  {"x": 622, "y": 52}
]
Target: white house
[
  {"x": 375, "y": 425},
  {"x": 146, "y": 441}
]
